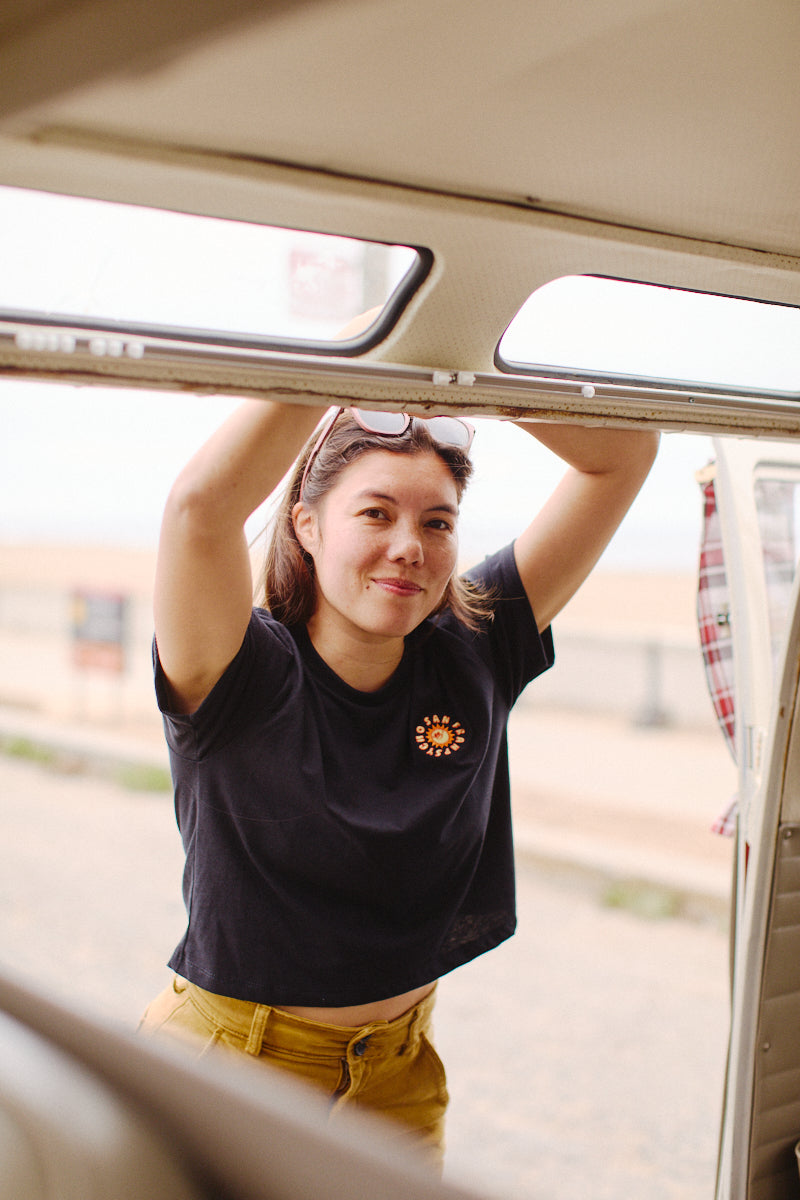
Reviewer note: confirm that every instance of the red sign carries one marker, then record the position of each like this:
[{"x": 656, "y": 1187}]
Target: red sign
[
  {"x": 99, "y": 630},
  {"x": 324, "y": 287}
]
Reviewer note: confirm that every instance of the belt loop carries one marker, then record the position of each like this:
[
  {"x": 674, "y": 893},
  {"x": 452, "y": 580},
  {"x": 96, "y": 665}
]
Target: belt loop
[
  {"x": 256, "y": 1039},
  {"x": 411, "y": 1029}
]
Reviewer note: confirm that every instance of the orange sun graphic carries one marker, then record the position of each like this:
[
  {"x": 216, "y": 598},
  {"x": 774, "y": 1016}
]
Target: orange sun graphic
[{"x": 439, "y": 736}]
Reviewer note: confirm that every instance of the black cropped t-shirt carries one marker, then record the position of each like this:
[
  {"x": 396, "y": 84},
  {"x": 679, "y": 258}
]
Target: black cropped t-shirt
[{"x": 343, "y": 847}]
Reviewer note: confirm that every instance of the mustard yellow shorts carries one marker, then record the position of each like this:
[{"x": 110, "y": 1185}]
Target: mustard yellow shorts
[{"x": 388, "y": 1067}]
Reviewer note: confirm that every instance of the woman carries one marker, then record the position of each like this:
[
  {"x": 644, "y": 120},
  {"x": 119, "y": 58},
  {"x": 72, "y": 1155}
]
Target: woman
[{"x": 340, "y": 762}]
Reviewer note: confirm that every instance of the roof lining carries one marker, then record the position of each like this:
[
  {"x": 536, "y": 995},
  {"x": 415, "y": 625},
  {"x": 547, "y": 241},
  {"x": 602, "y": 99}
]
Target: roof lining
[
  {"x": 488, "y": 257},
  {"x": 124, "y": 146}
]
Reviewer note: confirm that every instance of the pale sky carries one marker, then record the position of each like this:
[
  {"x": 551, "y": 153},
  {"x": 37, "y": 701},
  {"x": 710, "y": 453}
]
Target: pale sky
[{"x": 94, "y": 465}]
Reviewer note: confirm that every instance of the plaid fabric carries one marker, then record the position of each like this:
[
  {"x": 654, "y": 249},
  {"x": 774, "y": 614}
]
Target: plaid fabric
[
  {"x": 714, "y": 618},
  {"x": 725, "y": 823},
  {"x": 716, "y": 641},
  {"x": 775, "y": 507}
]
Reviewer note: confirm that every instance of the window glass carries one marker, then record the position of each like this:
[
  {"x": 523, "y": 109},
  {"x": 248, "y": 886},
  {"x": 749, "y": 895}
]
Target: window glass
[
  {"x": 151, "y": 270},
  {"x": 777, "y": 494},
  {"x": 586, "y": 325}
]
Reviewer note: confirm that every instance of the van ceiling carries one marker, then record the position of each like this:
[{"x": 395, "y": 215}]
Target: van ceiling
[
  {"x": 668, "y": 115},
  {"x": 519, "y": 139}
]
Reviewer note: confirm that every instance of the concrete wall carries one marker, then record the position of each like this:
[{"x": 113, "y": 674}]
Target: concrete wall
[
  {"x": 648, "y": 679},
  {"x": 38, "y": 671},
  {"x": 647, "y": 676}
]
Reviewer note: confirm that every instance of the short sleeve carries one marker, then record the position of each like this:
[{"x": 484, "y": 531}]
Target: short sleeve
[
  {"x": 516, "y": 648},
  {"x": 254, "y": 681}
]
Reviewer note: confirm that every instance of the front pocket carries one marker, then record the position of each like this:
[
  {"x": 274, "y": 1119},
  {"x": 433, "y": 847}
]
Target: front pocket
[
  {"x": 344, "y": 1081},
  {"x": 172, "y": 1014},
  {"x": 332, "y": 1075},
  {"x": 428, "y": 1051}
]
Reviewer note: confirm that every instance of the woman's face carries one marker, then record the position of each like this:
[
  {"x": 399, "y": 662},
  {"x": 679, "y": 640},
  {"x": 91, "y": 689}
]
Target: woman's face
[{"x": 384, "y": 543}]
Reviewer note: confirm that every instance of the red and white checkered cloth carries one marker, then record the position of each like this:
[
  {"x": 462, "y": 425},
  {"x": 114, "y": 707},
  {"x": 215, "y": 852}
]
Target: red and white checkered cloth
[
  {"x": 716, "y": 640},
  {"x": 714, "y": 618},
  {"x": 775, "y": 504}
]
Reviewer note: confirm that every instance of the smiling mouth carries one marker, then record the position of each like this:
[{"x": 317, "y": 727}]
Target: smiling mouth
[{"x": 399, "y": 587}]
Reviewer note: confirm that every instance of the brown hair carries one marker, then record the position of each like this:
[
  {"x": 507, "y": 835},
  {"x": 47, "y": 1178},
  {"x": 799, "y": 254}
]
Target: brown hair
[{"x": 289, "y": 587}]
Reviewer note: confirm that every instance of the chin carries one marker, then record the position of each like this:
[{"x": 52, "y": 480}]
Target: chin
[{"x": 397, "y": 626}]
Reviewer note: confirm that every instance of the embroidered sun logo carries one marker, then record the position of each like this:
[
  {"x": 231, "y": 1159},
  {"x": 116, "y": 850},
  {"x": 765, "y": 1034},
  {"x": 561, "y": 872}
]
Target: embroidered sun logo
[{"x": 439, "y": 736}]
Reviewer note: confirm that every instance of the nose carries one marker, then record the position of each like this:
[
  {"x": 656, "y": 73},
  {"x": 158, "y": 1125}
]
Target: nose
[{"x": 406, "y": 543}]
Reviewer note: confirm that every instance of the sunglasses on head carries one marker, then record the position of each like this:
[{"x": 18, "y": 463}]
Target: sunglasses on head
[{"x": 446, "y": 431}]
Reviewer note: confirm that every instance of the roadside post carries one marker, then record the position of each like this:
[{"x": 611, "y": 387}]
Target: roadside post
[{"x": 100, "y": 627}]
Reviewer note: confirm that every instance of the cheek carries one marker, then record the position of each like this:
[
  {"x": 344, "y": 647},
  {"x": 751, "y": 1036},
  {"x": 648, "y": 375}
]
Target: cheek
[
  {"x": 447, "y": 556},
  {"x": 443, "y": 562},
  {"x": 342, "y": 558}
]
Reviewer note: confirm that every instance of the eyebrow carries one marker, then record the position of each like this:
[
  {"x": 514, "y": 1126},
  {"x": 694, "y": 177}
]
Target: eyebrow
[{"x": 368, "y": 494}]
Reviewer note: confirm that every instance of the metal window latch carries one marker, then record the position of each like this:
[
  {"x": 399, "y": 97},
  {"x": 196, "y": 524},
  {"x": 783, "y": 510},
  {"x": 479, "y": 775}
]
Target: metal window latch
[{"x": 444, "y": 378}]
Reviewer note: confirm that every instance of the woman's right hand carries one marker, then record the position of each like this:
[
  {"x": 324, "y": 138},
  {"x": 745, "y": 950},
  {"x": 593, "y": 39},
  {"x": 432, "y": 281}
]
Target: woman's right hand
[{"x": 204, "y": 586}]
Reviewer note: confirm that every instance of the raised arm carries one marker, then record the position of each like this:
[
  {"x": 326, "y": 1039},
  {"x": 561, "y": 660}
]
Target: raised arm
[
  {"x": 204, "y": 588},
  {"x": 606, "y": 468}
]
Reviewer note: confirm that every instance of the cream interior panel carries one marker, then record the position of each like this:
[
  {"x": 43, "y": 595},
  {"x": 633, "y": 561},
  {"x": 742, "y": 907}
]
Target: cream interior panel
[
  {"x": 776, "y": 1086},
  {"x": 656, "y": 114},
  {"x": 64, "y": 1133},
  {"x": 487, "y": 258}
]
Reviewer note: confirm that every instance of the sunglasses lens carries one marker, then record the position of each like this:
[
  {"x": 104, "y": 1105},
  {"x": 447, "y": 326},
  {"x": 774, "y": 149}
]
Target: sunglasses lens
[
  {"x": 450, "y": 431},
  {"x": 390, "y": 423}
]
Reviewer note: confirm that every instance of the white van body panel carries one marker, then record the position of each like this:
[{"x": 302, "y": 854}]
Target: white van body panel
[{"x": 765, "y": 671}]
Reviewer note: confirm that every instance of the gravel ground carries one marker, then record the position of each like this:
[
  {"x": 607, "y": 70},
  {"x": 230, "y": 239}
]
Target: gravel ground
[{"x": 585, "y": 1056}]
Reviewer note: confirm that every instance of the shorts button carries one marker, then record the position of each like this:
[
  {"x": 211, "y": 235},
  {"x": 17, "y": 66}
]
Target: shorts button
[{"x": 360, "y": 1047}]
